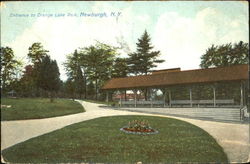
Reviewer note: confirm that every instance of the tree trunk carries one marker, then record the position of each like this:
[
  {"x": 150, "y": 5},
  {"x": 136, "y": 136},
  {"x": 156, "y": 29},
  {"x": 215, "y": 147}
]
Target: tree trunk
[
  {"x": 85, "y": 93},
  {"x": 51, "y": 97},
  {"x": 73, "y": 95},
  {"x": 3, "y": 86}
]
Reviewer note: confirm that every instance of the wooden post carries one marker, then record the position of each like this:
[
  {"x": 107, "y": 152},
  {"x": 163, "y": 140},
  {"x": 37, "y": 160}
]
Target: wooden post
[
  {"x": 214, "y": 96},
  {"x": 190, "y": 95},
  {"x": 135, "y": 97},
  {"x": 107, "y": 96},
  {"x": 164, "y": 97},
  {"x": 241, "y": 94},
  {"x": 169, "y": 95},
  {"x": 125, "y": 96},
  {"x": 121, "y": 99},
  {"x": 151, "y": 98}
]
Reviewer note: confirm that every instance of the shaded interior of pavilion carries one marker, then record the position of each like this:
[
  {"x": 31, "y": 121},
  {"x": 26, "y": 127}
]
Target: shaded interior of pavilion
[{"x": 212, "y": 87}]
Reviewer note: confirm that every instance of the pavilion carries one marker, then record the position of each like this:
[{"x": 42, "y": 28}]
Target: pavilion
[{"x": 165, "y": 80}]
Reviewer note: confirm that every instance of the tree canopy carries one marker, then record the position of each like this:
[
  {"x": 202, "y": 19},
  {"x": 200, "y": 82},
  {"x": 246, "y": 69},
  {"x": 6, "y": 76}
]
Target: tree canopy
[
  {"x": 41, "y": 76},
  {"x": 75, "y": 74},
  {"x": 37, "y": 52},
  {"x": 9, "y": 66},
  {"x": 224, "y": 55},
  {"x": 98, "y": 62},
  {"x": 48, "y": 75},
  {"x": 120, "y": 68},
  {"x": 92, "y": 65},
  {"x": 144, "y": 59}
]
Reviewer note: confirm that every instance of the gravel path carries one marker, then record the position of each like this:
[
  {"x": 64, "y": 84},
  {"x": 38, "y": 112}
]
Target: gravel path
[{"x": 234, "y": 138}]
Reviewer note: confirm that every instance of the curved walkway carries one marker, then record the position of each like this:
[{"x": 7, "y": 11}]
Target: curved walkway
[{"x": 234, "y": 138}]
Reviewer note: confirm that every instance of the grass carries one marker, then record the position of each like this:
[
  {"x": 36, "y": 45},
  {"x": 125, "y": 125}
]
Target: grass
[
  {"x": 36, "y": 108},
  {"x": 100, "y": 140}
]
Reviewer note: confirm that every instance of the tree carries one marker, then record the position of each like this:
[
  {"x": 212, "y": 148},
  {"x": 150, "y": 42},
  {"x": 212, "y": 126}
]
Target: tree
[
  {"x": 224, "y": 55},
  {"x": 98, "y": 62},
  {"x": 74, "y": 71},
  {"x": 9, "y": 67},
  {"x": 221, "y": 56},
  {"x": 70, "y": 88},
  {"x": 120, "y": 68},
  {"x": 36, "y": 53},
  {"x": 91, "y": 66},
  {"x": 144, "y": 59},
  {"x": 27, "y": 82},
  {"x": 49, "y": 76},
  {"x": 91, "y": 90}
]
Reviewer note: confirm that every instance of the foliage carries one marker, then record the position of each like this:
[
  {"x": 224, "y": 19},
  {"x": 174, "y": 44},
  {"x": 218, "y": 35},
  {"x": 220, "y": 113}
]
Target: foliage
[
  {"x": 120, "y": 68},
  {"x": 100, "y": 141},
  {"x": 220, "y": 56},
  {"x": 70, "y": 88},
  {"x": 27, "y": 83},
  {"x": 141, "y": 61},
  {"x": 43, "y": 73},
  {"x": 9, "y": 67},
  {"x": 36, "y": 53},
  {"x": 98, "y": 61},
  {"x": 48, "y": 75},
  {"x": 90, "y": 66},
  {"x": 224, "y": 55},
  {"x": 90, "y": 90},
  {"x": 74, "y": 71},
  {"x": 179, "y": 92}
]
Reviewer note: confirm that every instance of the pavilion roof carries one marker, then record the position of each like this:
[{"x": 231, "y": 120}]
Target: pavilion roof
[{"x": 209, "y": 75}]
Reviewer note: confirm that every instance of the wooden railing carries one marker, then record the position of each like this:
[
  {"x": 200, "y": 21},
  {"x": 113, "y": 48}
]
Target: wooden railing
[
  {"x": 203, "y": 102},
  {"x": 141, "y": 102},
  {"x": 178, "y": 102}
]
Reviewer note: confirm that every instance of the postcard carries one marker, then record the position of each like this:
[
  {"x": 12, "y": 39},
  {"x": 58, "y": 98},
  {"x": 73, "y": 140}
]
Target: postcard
[{"x": 124, "y": 81}]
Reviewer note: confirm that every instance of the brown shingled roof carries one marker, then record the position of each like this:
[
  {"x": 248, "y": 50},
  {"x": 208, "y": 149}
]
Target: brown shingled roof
[{"x": 230, "y": 73}]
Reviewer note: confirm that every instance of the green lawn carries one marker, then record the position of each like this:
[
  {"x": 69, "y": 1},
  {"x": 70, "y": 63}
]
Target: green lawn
[
  {"x": 36, "y": 108},
  {"x": 100, "y": 140}
]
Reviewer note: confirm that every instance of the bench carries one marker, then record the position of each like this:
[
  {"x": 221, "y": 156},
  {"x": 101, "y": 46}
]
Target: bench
[
  {"x": 141, "y": 103},
  {"x": 179, "y": 102},
  {"x": 202, "y": 102}
]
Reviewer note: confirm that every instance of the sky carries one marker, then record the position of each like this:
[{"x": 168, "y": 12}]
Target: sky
[{"x": 180, "y": 30}]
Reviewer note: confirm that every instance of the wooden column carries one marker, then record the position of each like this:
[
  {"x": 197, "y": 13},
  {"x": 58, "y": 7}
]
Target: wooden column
[
  {"x": 164, "y": 97},
  {"x": 241, "y": 95},
  {"x": 190, "y": 95},
  {"x": 121, "y": 99},
  {"x": 169, "y": 95},
  {"x": 151, "y": 98},
  {"x": 107, "y": 96},
  {"x": 125, "y": 95},
  {"x": 214, "y": 91},
  {"x": 135, "y": 97}
]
